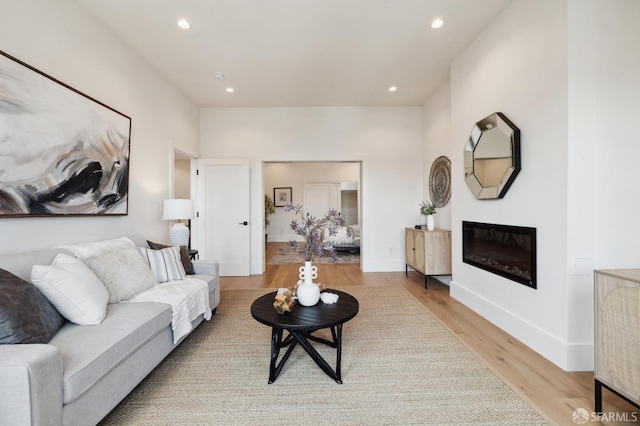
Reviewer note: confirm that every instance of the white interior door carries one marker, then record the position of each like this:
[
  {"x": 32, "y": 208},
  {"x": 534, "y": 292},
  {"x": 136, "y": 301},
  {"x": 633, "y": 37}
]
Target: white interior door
[
  {"x": 320, "y": 197},
  {"x": 222, "y": 202}
]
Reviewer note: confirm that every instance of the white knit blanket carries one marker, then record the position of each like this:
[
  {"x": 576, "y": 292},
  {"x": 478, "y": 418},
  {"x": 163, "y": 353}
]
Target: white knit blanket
[{"x": 188, "y": 299}]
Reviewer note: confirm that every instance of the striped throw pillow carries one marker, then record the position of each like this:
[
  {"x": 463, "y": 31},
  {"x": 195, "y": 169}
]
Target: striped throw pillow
[{"x": 165, "y": 264}]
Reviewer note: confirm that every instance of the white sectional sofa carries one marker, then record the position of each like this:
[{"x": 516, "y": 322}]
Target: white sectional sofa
[{"x": 84, "y": 371}]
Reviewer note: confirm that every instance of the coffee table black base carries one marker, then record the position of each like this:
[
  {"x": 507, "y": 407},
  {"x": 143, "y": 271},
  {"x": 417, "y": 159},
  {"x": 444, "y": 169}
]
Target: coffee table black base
[
  {"x": 300, "y": 323},
  {"x": 296, "y": 337}
]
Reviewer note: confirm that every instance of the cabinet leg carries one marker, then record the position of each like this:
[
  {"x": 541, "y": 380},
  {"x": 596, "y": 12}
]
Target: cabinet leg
[
  {"x": 406, "y": 270},
  {"x": 597, "y": 393},
  {"x": 426, "y": 277}
]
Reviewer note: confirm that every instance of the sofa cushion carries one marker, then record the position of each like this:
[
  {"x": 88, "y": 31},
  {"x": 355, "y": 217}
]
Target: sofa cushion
[
  {"x": 73, "y": 289},
  {"x": 164, "y": 263},
  {"x": 20, "y": 264},
  {"x": 87, "y": 250},
  {"x": 90, "y": 353},
  {"x": 184, "y": 256},
  {"x": 123, "y": 272},
  {"x": 26, "y": 316}
]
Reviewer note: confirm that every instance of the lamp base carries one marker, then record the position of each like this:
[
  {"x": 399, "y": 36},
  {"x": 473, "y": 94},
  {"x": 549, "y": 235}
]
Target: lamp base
[{"x": 179, "y": 235}]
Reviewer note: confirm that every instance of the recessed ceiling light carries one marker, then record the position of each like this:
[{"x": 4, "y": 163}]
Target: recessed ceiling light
[
  {"x": 437, "y": 23},
  {"x": 229, "y": 89},
  {"x": 184, "y": 24},
  {"x": 393, "y": 88}
]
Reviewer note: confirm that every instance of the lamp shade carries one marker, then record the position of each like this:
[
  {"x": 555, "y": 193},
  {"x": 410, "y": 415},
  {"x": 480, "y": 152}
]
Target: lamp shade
[{"x": 178, "y": 209}]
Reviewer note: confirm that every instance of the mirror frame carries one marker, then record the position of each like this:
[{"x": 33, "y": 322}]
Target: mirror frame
[{"x": 510, "y": 131}]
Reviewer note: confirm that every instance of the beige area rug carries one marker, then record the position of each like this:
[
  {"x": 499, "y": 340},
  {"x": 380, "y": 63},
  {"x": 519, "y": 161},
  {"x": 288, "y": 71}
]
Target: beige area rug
[
  {"x": 286, "y": 255},
  {"x": 400, "y": 366}
]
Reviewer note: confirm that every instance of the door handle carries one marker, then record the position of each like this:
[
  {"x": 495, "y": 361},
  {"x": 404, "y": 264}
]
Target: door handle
[{"x": 245, "y": 223}]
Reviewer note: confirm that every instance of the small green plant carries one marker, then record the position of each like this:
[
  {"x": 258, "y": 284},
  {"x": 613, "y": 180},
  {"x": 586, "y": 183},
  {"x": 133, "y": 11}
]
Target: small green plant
[
  {"x": 269, "y": 209},
  {"x": 427, "y": 208}
]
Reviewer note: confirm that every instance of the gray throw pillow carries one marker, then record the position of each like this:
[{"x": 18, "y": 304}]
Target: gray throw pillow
[
  {"x": 26, "y": 316},
  {"x": 184, "y": 256},
  {"x": 123, "y": 272}
]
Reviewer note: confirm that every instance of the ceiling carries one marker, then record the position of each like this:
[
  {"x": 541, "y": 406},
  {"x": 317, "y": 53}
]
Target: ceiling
[{"x": 278, "y": 53}]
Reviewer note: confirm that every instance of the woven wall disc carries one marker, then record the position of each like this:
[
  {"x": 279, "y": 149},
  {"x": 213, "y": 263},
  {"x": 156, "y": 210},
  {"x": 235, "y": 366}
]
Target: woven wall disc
[{"x": 440, "y": 181}]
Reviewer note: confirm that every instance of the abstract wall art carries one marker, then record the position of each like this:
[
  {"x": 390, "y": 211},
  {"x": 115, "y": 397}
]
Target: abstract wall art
[{"x": 62, "y": 153}]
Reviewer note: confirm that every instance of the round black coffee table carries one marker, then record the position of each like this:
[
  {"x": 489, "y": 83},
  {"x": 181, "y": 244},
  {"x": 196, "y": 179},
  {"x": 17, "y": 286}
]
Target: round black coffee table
[{"x": 300, "y": 323}]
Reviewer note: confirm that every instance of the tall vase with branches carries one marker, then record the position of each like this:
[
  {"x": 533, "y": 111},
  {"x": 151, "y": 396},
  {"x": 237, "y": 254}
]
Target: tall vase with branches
[{"x": 311, "y": 228}]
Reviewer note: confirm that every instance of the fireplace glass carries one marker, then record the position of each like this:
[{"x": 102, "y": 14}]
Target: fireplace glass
[{"x": 508, "y": 251}]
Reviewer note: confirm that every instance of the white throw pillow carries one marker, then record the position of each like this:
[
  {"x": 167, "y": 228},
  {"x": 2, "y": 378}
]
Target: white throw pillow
[
  {"x": 73, "y": 289},
  {"x": 123, "y": 272},
  {"x": 165, "y": 263},
  {"x": 86, "y": 250}
]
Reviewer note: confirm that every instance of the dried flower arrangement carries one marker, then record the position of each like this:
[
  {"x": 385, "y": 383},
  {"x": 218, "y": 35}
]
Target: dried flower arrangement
[{"x": 311, "y": 228}]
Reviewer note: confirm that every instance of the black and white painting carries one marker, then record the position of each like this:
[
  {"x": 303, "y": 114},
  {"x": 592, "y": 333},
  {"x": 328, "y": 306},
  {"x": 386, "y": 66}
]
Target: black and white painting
[
  {"x": 282, "y": 196},
  {"x": 62, "y": 153}
]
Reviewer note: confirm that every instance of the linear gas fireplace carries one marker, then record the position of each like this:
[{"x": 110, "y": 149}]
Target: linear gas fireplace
[{"x": 509, "y": 251}]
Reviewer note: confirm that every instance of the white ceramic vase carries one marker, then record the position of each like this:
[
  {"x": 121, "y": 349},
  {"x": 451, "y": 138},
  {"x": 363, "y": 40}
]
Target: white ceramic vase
[
  {"x": 431, "y": 224},
  {"x": 308, "y": 292},
  {"x": 423, "y": 219}
]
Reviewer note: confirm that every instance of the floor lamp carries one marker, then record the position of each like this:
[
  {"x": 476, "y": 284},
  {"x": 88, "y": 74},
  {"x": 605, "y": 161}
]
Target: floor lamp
[{"x": 178, "y": 209}]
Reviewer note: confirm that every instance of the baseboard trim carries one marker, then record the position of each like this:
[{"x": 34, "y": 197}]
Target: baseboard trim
[{"x": 568, "y": 356}]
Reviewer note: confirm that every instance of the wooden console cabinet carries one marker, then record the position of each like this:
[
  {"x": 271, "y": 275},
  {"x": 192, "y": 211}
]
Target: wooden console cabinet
[
  {"x": 617, "y": 334},
  {"x": 428, "y": 252}
]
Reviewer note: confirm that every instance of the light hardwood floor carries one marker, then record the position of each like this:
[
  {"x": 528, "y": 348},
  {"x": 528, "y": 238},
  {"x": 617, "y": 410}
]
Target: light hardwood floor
[{"x": 555, "y": 392}]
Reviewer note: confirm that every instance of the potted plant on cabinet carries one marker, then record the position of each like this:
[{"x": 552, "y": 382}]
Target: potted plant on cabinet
[{"x": 427, "y": 210}]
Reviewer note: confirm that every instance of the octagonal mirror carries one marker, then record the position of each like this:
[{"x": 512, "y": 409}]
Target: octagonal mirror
[{"x": 492, "y": 157}]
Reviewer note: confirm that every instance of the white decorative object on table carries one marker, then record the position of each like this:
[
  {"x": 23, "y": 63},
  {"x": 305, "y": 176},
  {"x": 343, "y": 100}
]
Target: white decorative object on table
[
  {"x": 427, "y": 209},
  {"x": 308, "y": 273},
  {"x": 431, "y": 225},
  {"x": 308, "y": 293},
  {"x": 329, "y": 298}
]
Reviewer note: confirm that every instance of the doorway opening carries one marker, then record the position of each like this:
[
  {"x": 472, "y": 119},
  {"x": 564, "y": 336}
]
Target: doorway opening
[
  {"x": 180, "y": 180},
  {"x": 318, "y": 186}
]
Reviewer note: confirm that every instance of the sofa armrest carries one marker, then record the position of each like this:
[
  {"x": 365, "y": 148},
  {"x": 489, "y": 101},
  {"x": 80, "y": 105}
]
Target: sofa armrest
[
  {"x": 206, "y": 267},
  {"x": 30, "y": 384}
]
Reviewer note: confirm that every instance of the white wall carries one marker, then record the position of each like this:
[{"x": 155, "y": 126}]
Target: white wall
[
  {"x": 617, "y": 134},
  {"x": 61, "y": 39},
  {"x": 518, "y": 66},
  {"x": 436, "y": 140},
  {"x": 566, "y": 73},
  {"x": 385, "y": 139},
  {"x": 295, "y": 175},
  {"x": 582, "y": 179},
  {"x": 604, "y": 106},
  {"x": 182, "y": 179}
]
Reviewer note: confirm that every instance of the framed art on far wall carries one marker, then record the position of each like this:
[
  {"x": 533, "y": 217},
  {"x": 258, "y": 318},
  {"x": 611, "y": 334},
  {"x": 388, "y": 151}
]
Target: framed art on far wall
[
  {"x": 282, "y": 196},
  {"x": 63, "y": 153}
]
